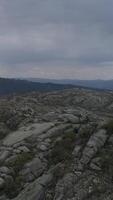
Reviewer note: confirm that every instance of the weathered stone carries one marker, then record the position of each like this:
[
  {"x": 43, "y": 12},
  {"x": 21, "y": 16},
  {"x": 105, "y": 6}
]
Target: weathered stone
[
  {"x": 3, "y": 156},
  {"x": 5, "y": 170},
  {"x": 43, "y": 147},
  {"x": 71, "y": 118},
  {"x": 96, "y": 141},
  {"x": 64, "y": 188},
  {"x": 16, "y": 151},
  {"x": 76, "y": 150},
  {"x": 95, "y": 167},
  {"x": 35, "y": 190},
  {"x": 24, "y": 149},
  {"x": 11, "y": 159},
  {"x": 33, "y": 169},
  {"x": 22, "y": 134},
  {"x": 55, "y": 131}
]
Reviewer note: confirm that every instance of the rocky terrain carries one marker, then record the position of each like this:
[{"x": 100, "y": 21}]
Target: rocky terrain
[{"x": 57, "y": 146}]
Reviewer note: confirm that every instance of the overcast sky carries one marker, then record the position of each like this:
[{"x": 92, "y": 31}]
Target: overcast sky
[{"x": 56, "y": 38}]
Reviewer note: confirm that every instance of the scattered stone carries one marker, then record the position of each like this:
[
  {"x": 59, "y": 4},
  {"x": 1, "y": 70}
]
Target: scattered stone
[
  {"x": 43, "y": 147},
  {"x": 24, "y": 149},
  {"x": 71, "y": 118},
  {"x": 3, "y": 156},
  {"x": 76, "y": 150},
  {"x": 95, "y": 167},
  {"x": 5, "y": 170}
]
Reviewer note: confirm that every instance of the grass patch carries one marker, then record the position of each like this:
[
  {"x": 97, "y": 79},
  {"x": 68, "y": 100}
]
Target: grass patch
[
  {"x": 62, "y": 150},
  {"x": 20, "y": 161},
  {"x": 12, "y": 190}
]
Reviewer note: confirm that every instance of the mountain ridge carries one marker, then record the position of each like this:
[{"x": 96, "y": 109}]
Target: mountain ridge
[
  {"x": 11, "y": 86},
  {"x": 95, "y": 84}
]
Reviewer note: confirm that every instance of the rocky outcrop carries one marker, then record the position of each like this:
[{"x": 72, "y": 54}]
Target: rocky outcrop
[
  {"x": 32, "y": 170},
  {"x": 24, "y": 133},
  {"x": 36, "y": 190},
  {"x": 61, "y": 148},
  {"x": 96, "y": 141}
]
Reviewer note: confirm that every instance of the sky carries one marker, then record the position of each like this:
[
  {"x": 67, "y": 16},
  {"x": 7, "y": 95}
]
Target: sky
[{"x": 56, "y": 39}]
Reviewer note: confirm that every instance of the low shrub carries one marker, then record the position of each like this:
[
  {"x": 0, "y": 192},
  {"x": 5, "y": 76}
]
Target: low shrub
[
  {"x": 20, "y": 161},
  {"x": 62, "y": 150}
]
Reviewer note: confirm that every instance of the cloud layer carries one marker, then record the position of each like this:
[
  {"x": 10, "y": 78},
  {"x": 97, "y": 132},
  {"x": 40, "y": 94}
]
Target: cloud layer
[{"x": 56, "y": 38}]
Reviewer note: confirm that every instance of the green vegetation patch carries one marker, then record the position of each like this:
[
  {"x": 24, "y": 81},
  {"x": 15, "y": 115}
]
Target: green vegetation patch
[
  {"x": 20, "y": 161},
  {"x": 62, "y": 150},
  {"x": 13, "y": 189}
]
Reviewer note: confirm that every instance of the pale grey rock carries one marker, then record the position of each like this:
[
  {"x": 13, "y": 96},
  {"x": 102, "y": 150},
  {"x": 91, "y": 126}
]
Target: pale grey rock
[
  {"x": 23, "y": 133},
  {"x": 5, "y": 170},
  {"x": 64, "y": 187},
  {"x": 96, "y": 141},
  {"x": 48, "y": 140},
  {"x": 3, "y": 156},
  {"x": 16, "y": 151},
  {"x": 11, "y": 159},
  {"x": 71, "y": 118},
  {"x": 36, "y": 190},
  {"x": 95, "y": 167},
  {"x": 23, "y": 149},
  {"x": 21, "y": 143},
  {"x": 33, "y": 169},
  {"x": 76, "y": 150},
  {"x": 43, "y": 147},
  {"x": 55, "y": 131}
]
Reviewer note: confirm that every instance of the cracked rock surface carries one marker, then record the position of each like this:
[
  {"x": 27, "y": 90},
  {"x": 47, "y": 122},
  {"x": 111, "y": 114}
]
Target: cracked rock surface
[{"x": 57, "y": 146}]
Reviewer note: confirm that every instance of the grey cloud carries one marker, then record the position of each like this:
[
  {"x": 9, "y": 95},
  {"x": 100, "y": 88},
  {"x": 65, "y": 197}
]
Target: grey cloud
[{"x": 55, "y": 33}]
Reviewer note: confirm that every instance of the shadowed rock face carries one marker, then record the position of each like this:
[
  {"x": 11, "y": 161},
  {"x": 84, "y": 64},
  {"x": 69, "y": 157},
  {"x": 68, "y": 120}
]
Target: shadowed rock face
[{"x": 57, "y": 146}]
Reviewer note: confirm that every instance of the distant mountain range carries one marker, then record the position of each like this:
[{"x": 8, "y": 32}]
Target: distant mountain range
[
  {"x": 95, "y": 84},
  {"x": 10, "y": 86}
]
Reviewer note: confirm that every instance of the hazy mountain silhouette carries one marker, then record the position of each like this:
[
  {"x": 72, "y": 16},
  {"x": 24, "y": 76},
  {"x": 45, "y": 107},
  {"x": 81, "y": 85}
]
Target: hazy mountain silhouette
[
  {"x": 95, "y": 84},
  {"x": 9, "y": 86}
]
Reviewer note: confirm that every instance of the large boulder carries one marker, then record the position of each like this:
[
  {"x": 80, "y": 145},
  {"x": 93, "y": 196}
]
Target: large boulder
[{"x": 96, "y": 141}]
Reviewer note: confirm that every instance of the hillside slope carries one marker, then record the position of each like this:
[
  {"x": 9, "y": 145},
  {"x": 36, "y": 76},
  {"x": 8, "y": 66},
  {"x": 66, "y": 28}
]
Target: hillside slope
[
  {"x": 57, "y": 146},
  {"x": 10, "y": 86},
  {"x": 96, "y": 84}
]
